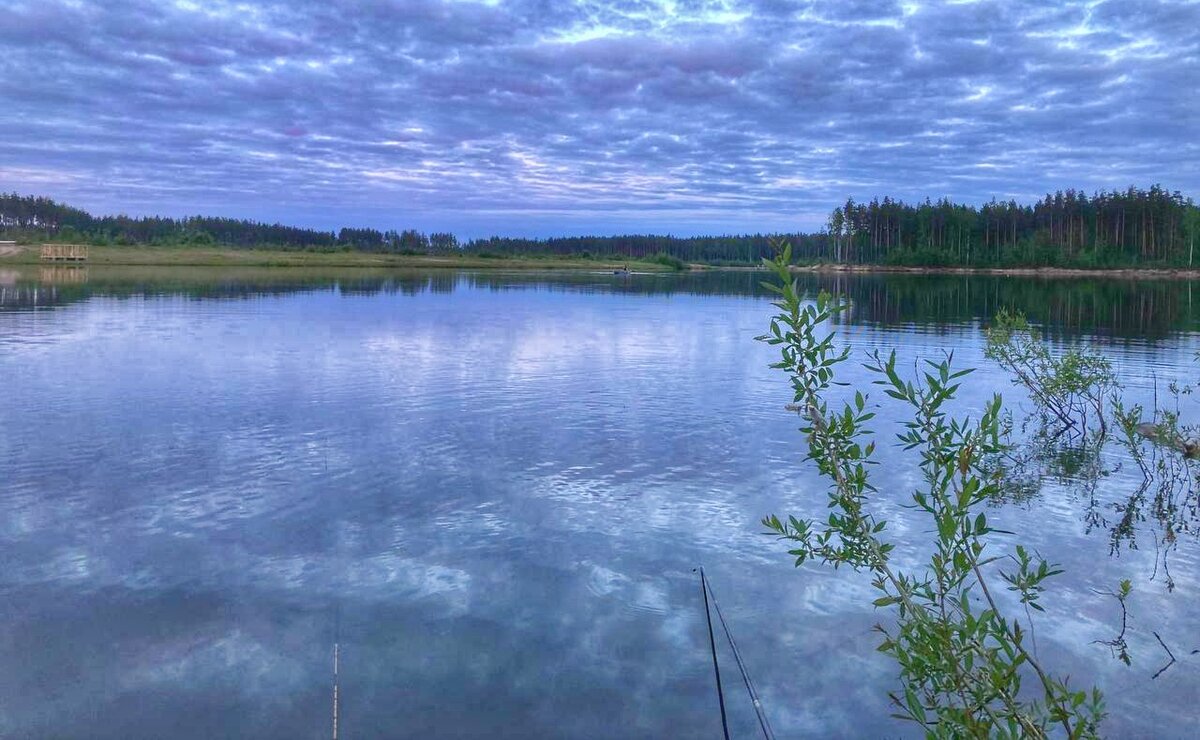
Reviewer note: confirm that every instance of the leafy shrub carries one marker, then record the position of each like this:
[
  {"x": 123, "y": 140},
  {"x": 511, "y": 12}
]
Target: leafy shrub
[
  {"x": 666, "y": 260},
  {"x": 962, "y": 663},
  {"x": 1072, "y": 387}
]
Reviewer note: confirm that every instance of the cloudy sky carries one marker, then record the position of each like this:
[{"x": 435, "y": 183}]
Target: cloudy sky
[{"x": 538, "y": 117}]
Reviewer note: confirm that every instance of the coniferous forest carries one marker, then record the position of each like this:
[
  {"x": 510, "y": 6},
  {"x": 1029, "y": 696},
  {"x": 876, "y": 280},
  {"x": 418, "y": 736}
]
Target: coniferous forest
[{"x": 1153, "y": 227}]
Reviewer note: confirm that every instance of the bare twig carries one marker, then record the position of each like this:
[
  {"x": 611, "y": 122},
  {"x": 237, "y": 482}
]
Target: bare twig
[{"x": 1169, "y": 663}]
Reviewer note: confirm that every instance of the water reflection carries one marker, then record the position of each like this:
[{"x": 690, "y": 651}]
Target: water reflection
[
  {"x": 1136, "y": 309},
  {"x": 500, "y": 482}
]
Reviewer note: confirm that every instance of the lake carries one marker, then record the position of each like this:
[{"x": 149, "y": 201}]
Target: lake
[{"x": 491, "y": 490}]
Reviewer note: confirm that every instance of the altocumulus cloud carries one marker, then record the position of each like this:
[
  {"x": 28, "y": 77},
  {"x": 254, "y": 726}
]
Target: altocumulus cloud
[{"x": 548, "y": 116}]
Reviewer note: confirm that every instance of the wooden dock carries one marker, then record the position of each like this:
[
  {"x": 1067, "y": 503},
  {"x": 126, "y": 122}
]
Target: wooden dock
[{"x": 64, "y": 253}]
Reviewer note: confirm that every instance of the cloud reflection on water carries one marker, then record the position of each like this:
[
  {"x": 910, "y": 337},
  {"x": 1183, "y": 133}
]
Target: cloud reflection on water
[{"x": 502, "y": 497}]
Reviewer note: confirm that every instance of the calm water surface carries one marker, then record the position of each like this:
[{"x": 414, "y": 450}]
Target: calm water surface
[{"x": 491, "y": 490}]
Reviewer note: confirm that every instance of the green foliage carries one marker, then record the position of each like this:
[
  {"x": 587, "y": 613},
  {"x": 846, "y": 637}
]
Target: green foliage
[
  {"x": 962, "y": 662},
  {"x": 199, "y": 238},
  {"x": 662, "y": 258},
  {"x": 1071, "y": 389},
  {"x": 1166, "y": 449},
  {"x": 741, "y": 249},
  {"x": 920, "y": 257},
  {"x": 1118, "y": 644},
  {"x": 1069, "y": 228}
]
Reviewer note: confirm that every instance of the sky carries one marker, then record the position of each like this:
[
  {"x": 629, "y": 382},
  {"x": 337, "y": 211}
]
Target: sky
[{"x": 545, "y": 117}]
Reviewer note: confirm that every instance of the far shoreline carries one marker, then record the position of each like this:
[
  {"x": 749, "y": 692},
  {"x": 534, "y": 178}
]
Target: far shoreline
[
  {"x": 1125, "y": 273},
  {"x": 228, "y": 257},
  {"x": 139, "y": 256}
]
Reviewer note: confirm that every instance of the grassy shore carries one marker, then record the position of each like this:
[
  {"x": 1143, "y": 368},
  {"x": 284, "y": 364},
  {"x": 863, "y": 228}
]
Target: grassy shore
[
  {"x": 223, "y": 257},
  {"x": 226, "y": 257}
]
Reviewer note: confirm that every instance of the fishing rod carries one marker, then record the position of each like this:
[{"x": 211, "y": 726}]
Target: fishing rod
[
  {"x": 337, "y": 623},
  {"x": 337, "y": 629},
  {"x": 712, "y": 643},
  {"x": 763, "y": 723},
  {"x": 335, "y": 691}
]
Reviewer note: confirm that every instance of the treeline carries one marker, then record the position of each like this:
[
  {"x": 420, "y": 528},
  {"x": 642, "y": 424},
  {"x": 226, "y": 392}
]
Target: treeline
[
  {"x": 1153, "y": 227},
  {"x": 33, "y": 218},
  {"x": 749, "y": 249},
  {"x": 1069, "y": 228},
  {"x": 1135, "y": 227}
]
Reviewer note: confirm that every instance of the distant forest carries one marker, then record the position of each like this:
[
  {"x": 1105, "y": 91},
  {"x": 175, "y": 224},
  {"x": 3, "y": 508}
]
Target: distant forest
[{"x": 1152, "y": 227}]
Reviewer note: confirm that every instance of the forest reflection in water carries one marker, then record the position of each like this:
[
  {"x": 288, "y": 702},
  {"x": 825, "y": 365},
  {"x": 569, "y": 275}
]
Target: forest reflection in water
[{"x": 1119, "y": 307}]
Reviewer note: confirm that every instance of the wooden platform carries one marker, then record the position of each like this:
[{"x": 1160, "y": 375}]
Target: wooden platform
[
  {"x": 64, "y": 274},
  {"x": 64, "y": 252}
]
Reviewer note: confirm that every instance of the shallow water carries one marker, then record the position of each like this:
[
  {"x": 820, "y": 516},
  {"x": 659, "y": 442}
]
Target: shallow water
[{"x": 491, "y": 490}]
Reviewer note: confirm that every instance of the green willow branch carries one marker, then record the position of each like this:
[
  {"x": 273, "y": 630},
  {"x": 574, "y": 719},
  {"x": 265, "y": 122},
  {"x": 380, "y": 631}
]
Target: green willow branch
[{"x": 961, "y": 669}]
